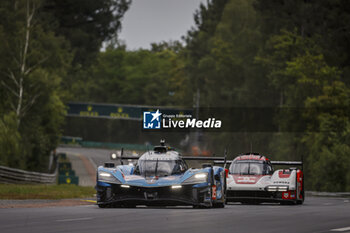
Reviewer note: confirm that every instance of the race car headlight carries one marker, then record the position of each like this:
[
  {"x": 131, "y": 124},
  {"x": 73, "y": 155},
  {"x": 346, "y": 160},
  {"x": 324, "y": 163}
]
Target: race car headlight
[
  {"x": 272, "y": 188},
  {"x": 176, "y": 187},
  {"x": 201, "y": 176},
  {"x": 104, "y": 174},
  {"x": 197, "y": 178},
  {"x": 277, "y": 188},
  {"x": 107, "y": 177},
  {"x": 282, "y": 188}
]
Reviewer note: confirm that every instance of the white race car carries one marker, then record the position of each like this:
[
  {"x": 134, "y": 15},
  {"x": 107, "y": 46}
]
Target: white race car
[{"x": 252, "y": 179}]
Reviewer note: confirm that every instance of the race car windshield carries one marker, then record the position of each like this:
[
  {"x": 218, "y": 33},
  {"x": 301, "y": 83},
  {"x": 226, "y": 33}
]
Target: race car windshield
[
  {"x": 161, "y": 168},
  {"x": 248, "y": 168}
]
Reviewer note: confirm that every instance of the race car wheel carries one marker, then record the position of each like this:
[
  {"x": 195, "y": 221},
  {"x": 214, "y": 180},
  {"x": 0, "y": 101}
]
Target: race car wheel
[
  {"x": 218, "y": 205},
  {"x": 104, "y": 206},
  {"x": 299, "y": 202},
  {"x": 288, "y": 202},
  {"x": 129, "y": 206}
]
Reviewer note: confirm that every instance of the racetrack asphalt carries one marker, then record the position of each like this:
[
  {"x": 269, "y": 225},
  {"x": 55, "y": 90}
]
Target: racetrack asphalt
[
  {"x": 316, "y": 215},
  {"x": 97, "y": 156}
]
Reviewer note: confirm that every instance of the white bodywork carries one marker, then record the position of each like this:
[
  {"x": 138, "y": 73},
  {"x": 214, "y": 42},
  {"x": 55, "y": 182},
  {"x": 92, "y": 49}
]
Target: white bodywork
[{"x": 261, "y": 182}]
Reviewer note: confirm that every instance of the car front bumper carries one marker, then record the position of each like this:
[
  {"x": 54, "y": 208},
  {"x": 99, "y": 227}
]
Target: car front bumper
[
  {"x": 153, "y": 196},
  {"x": 260, "y": 196}
]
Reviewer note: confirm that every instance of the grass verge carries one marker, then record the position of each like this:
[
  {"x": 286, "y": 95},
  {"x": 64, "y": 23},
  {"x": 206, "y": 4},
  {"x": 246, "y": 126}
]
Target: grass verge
[{"x": 23, "y": 191}]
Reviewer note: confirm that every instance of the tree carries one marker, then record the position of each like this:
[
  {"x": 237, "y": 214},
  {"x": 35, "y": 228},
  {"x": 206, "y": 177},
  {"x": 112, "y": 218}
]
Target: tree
[
  {"x": 198, "y": 41},
  {"x": 86, "y": 24},
  {"x": 34, "y": 61},
  {"x": 329, "y": 138},
  {"x": 135, "y": 77}
]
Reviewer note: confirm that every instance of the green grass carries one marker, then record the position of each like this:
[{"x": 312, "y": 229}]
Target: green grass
[{"x": 14, "y": 191}]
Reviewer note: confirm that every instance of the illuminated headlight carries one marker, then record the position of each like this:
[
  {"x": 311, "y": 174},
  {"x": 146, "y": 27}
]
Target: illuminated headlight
[
  {"x": 282, "y": 188},
  {"x": 113, "y": 156},
  {"x": 176, "y": 186},
  {"x": 272, "y": 188},
  {"x": 277, "y": 188},
  {"x": 201, "y": 175},
  {"x": 197, "y": 178},
  {"x": 107, "y": 177},
  {"x": 104, "y": 174},
  {"x": 125, "y": 186}
]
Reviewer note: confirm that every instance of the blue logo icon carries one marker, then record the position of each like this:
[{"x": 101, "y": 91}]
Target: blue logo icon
[{"x": 151, "y": 120}]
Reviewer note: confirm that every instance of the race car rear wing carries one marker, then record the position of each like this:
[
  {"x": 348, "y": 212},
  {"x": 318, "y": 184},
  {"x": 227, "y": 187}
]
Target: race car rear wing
[
  {"x": 203, "y": 158},
  {"x": 287, "y": 163},
  {"x": 221, "y": 161},
  {"x": 121, "y": 157},
  {"x": 282, "y": 163}
]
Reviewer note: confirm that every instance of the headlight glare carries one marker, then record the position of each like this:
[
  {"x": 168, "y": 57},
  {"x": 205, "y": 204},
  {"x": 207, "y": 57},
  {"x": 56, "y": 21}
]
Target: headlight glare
[
  {"x": 197, "y": 178},
  {"x": 272, "y": 188},
  {"x": 104, "y": 174},
  {"x": 200, "y": 175},
  {"x": 277, "y": 188},
  {"x": 107, "y": 177}
]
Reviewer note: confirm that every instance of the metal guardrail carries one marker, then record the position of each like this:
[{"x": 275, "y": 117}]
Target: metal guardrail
[{"x": 18, "y": 176}]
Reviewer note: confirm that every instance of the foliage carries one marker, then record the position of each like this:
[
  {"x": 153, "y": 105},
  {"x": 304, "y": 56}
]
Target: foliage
[
  {"x": 289, "y": 54},
  {"x": 134, "y": 77},
  {"x": 40, "y": 43},
  {"x": 84, "y": 23},
  {"x": 10, "y": 147},
  {"x": 241, "y": 53}
]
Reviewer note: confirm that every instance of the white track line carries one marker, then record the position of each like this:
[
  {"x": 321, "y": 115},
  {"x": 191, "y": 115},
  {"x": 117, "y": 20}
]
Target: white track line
[
  {"x": 341, "y": 229},
  {"x": 92, "y": 162},
  {"x": 73, "y": 219}
]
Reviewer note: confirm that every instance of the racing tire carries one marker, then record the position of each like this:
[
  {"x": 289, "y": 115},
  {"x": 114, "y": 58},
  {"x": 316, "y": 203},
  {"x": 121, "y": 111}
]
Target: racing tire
[
  {"x": 103, "y": 205},
  {"x": 130, "y": 206},
  {"x": 300, "y": 202},
  {"x": 288, "y": 202},
  {"x": 219, "y": 205}
]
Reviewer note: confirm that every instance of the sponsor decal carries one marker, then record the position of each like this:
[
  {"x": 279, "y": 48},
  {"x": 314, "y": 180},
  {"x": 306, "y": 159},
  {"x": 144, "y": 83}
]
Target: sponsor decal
[
  {"x": 284, "y": 174},
  {"x": 281, "y": 182},
  {"x": 246, "y": 179},
  {"x": 252, "y": 157},
  {"x": 214, "y": 192}
]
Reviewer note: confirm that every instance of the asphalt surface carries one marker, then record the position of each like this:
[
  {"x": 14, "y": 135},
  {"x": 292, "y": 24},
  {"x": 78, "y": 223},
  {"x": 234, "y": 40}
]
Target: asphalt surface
[
  {"x": 97, "y": 156},
  {"x": 316, "y": 215}
]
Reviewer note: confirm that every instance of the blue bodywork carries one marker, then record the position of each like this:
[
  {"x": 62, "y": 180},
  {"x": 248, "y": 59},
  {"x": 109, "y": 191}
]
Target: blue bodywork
[{"x": 125, "y": 187}]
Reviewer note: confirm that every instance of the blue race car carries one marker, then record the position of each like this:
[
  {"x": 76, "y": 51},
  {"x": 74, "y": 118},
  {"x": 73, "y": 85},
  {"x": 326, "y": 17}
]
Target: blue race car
[{"x": 160, "y": 178}]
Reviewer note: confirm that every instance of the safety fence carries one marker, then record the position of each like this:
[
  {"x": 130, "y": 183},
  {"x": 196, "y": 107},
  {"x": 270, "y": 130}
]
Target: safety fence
[{"x": 18, "y": 176}]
